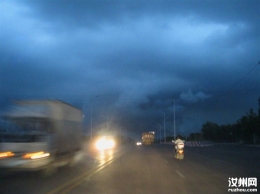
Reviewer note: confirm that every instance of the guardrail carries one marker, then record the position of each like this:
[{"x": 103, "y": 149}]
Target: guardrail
[
  {"x": 209, "y": 143},
  {"x": 194, "y": 143},
  {"x": 198, "y": 143}
]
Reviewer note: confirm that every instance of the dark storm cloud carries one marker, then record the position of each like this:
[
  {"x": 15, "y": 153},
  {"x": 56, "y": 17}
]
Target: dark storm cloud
[
  {"x": 190, "y": 97},
  {"x": 128, "y": 58}
]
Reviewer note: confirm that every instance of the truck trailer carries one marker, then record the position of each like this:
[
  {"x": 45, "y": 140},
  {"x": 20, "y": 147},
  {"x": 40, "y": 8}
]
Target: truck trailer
[
  {"x": 147, "y": 138},
  {"x": 40, "y": 135}
]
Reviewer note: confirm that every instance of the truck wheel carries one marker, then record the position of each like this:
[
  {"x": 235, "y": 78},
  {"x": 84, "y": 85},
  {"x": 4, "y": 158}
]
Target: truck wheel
[
  {"x": 77, "y": 156},
  {"x": 72, "y": 162}
]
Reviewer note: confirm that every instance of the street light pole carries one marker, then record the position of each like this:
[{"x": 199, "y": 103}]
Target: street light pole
[
  {"x": 160, "y": 131},
  {"x": 173, "y": 110},
  {"x": 107, "y": 123},
  {"x": 174, "y": 130},
  {"x": 91, "y": 119},
  {"x": 160, "y": 134},
  {"x": 164, "y": 127},
  {"x": 91, "y": 122}
]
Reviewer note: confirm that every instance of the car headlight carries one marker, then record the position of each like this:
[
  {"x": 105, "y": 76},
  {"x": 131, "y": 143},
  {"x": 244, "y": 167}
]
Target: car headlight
[
  {"x": 103, "y": 144},
  {"x": 138, "y": 143}
]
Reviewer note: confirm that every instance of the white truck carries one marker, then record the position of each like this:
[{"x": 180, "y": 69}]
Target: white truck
[{"x": 40, "y": 135}]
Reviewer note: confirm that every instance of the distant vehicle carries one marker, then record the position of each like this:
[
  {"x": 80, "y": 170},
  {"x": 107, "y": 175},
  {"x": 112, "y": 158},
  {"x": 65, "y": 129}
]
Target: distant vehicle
[
  {"x": 40, "y": 135},
  {"x": 147, "y": 138},
  {"x": 138, "y": 143}
]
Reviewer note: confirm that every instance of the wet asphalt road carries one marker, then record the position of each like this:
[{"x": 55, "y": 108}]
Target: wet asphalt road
[{"x": 144, "y": 169}]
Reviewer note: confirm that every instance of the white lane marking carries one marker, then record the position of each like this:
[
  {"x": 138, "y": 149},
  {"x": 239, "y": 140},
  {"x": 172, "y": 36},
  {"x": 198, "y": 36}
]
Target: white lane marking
[
  {"x": 166, "y": 161},
  {"x": 180, "y": 174}
]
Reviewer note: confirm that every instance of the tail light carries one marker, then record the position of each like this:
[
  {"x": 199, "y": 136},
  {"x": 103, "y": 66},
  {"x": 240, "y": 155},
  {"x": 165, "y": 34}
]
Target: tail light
[
  {"x": 6, "y": 154},
  {"x": 180, "y": 151},
  {"x": 35, "y": 155}
]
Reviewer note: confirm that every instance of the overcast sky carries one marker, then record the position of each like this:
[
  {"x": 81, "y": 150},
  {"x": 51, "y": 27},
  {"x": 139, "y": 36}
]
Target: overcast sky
[{"x": 125, "y": 60}]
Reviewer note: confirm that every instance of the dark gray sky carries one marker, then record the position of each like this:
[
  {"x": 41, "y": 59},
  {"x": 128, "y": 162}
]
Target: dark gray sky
[{"x": 126, "y": 59}]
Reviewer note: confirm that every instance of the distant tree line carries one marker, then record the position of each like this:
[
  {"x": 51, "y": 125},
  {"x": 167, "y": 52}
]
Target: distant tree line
[{"x": 245, "y": 130}]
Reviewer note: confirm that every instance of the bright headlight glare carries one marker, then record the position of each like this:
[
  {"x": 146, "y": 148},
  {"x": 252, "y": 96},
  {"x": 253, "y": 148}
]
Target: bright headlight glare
[
  {"x": 104, "y": 143},
  {"x": 35, "y": 155},
  {"x": 138, "y": 143}
]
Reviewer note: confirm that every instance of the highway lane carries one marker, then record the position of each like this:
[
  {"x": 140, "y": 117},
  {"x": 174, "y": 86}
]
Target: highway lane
[
  {"x": 151, "y": 169},
  {"x": 155, "y": 170},
  {"x": 33, "y": 182}
]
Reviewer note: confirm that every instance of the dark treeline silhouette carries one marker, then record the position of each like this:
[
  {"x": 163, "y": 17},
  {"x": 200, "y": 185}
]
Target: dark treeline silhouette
[{"x": 245, "y": 130}]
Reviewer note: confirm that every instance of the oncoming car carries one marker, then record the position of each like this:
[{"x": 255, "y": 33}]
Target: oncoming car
[
  {"x": 105, "y": 143},
  {"x": 138, "y": 143}
]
